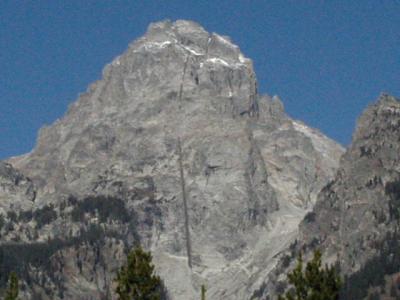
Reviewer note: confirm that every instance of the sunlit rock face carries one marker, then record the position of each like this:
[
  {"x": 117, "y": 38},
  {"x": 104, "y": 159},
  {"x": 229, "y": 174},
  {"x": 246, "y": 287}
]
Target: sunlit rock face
[
  {"x": 173, "y": 147},
  {"x": 356, "y": 215}
]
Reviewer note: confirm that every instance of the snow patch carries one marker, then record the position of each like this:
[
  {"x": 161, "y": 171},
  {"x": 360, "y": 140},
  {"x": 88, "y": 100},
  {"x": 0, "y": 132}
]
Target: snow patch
[
  {"x": 243, "y": 59},
  {"x": 216, "y": 60},
  {"x": 191, "y": 50},
  {"x": 220, "y": 61},
  {"x": 153, "y": 45},
  {"x": 159, "y": 45},
  {"x": 224, "y": 40}
]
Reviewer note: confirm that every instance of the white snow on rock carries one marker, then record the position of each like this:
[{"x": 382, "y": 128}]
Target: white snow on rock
[
  {"x": 225, "y": 41},
  {"x": 149, "y": 46},
  {"x": 216, "y": 60},
  {"x": 220, "y": 61},
  {"x": 191, "y": 50},
  {"x": 243, "y": 59}
]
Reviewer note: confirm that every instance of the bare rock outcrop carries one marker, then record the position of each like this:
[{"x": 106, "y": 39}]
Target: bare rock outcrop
[
  {"x": 355, "y": 220},
  {"x": 173, "y": 147}
]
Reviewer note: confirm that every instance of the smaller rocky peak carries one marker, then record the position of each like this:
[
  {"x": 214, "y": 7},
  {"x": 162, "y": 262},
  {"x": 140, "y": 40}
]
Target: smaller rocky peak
[
  {"x": 379, "y": 119},
  {"x": 385, "y": 98},
  {"x": 388, "y": 105}
]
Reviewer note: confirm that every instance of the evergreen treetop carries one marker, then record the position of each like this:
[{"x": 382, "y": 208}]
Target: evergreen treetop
[
  {"x": 314, "y": 282},
  {"x": 137, "y": 281},
  {"x": 12, "y": 289}
]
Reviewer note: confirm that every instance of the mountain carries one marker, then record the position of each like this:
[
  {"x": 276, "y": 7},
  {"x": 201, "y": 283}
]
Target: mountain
[
  {"x": 356, "y": 218},
  {"x": 173, "y": 148}
]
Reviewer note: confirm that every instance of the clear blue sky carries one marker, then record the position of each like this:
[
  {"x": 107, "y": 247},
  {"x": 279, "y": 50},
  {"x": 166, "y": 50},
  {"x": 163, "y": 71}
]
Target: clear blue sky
[{"x": 326, "y": 59}]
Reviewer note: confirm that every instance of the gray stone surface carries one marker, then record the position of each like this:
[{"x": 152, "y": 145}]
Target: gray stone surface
[
  {"x": 355, "y": 211},
  {"x": 16, "y": 191},
  {"x": 214, "y": 177}
]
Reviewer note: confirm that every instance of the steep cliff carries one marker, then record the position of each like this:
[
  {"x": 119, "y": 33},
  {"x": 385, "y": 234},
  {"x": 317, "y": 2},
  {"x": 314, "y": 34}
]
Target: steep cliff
[
  {"x": 355, "y": 221},
  {"x": 174, "y": 148}
]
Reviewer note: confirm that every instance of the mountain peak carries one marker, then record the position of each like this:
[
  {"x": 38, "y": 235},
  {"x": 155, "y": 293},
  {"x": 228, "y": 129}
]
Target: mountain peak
[
  {"x": 378, "y": 117},
  {"x": 193, "y": 40},
  {"x": 214, "y": 178},
  {"x": 183, "y": 31},
  {"x": 388, "y": 104},
  {"x": 385, "y": 97},
  {"x": 181, "y": 26}
]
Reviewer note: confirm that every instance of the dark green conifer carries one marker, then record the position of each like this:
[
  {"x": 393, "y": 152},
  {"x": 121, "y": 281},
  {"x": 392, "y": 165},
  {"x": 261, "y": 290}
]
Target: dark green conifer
[
  {"x": 203, "y": 292},
  {"x": 314, "y": 282},
  {"x": 137, "y": 281},
  {"x": 12, "y": 289}
]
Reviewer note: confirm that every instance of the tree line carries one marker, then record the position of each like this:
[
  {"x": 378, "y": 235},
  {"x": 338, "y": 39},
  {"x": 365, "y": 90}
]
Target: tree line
[{"x": 136, "y": 280}]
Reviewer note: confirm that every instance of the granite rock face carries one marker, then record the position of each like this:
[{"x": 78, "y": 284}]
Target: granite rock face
[
  {"x": 359, "y": 200},
  {"x": 356, "y": 215},
  {"x": 173, "y": 147},
  {"x": 16, "y": 191}
]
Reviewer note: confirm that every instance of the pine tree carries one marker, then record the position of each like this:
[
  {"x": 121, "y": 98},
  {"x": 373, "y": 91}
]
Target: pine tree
[
  {"x": 12, "y": 289},
  {"x": 137, "y": 281},
  {"x": 313, "y": 282},
  {"x": 203, "y": 292}
]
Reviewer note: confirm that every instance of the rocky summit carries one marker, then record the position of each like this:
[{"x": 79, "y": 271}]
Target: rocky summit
[
  {"x": 356, "y": 218},
  {"x": 173, "y": 148}
]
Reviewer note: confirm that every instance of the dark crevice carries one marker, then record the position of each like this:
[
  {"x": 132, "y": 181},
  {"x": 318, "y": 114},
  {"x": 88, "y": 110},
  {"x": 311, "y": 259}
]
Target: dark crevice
[{"x": 185, "y": 209}]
